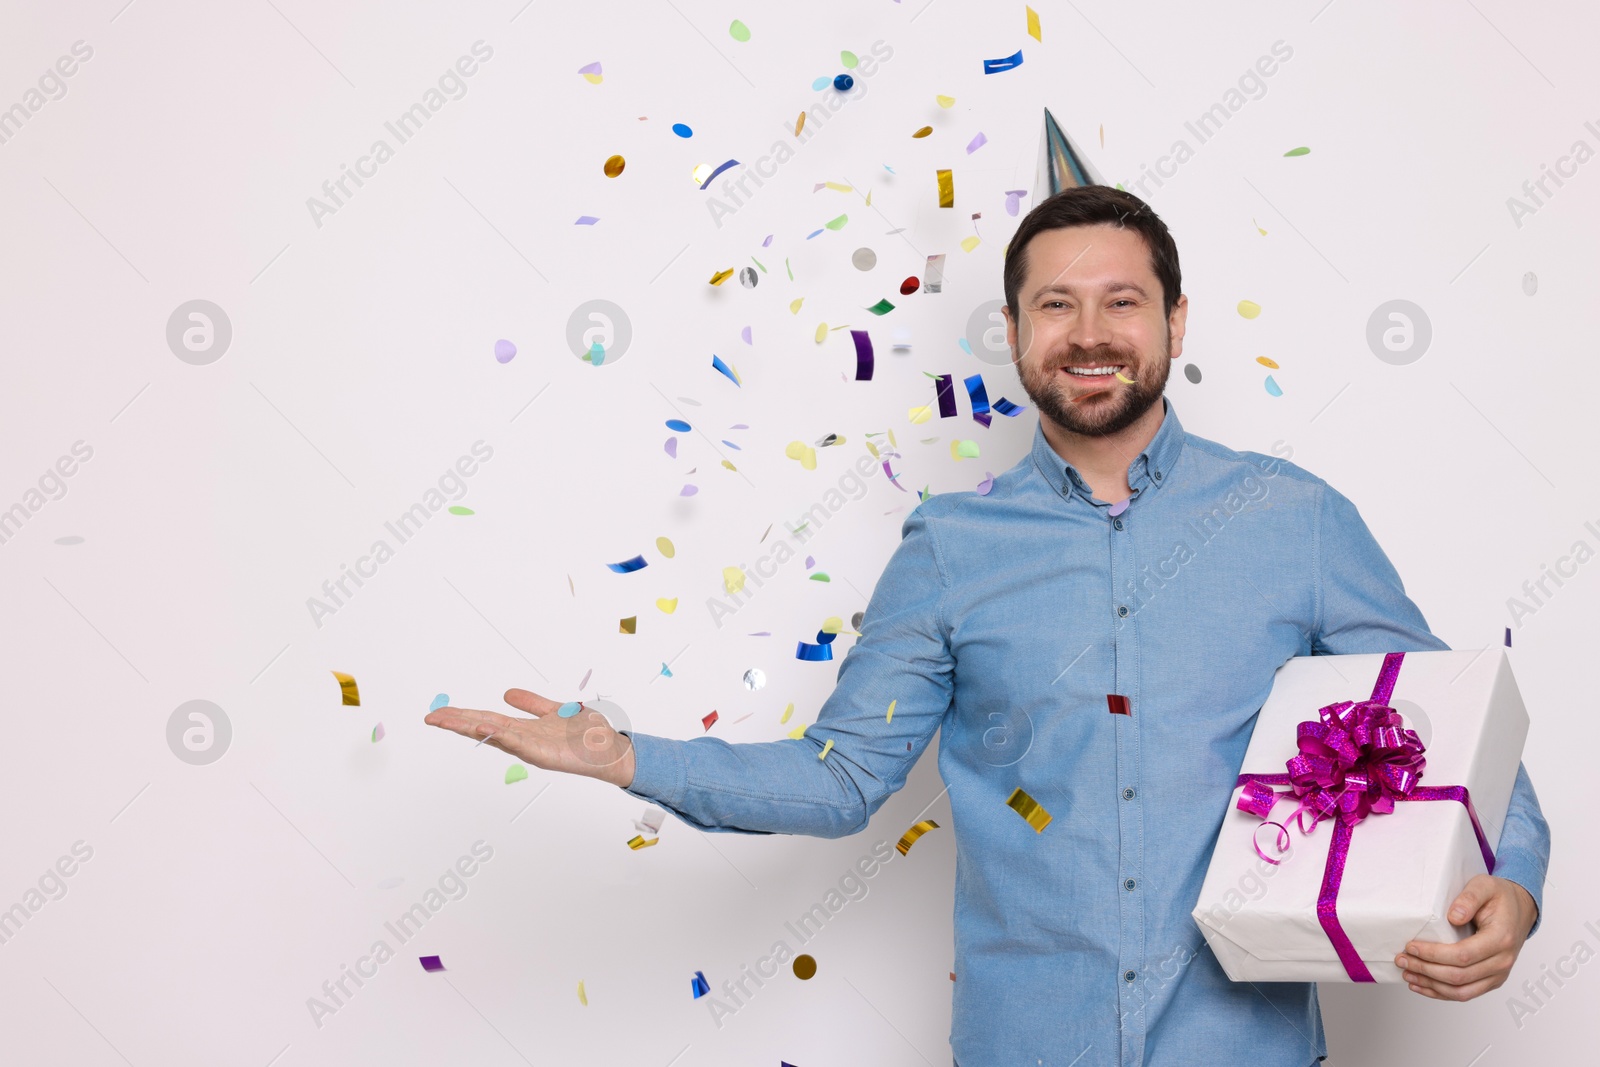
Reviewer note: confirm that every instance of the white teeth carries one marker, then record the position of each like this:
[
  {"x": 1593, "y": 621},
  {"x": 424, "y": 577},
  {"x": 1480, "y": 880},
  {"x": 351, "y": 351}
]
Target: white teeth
[{"x": 1092, "y": 370}]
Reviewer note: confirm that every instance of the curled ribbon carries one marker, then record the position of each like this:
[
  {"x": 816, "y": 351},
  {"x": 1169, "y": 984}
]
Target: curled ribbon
[{"x": 1357, "y": 758}]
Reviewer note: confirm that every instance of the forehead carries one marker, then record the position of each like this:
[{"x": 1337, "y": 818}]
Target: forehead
[{"x": 1088, "y": 255}]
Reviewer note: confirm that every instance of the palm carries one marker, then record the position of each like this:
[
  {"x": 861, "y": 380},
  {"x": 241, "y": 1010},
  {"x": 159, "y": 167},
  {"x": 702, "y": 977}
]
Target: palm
[{"x": 582, "y": 744}]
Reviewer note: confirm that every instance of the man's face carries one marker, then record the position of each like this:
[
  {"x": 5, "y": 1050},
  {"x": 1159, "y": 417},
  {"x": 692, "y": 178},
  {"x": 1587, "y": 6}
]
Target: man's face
[{"x": 1092, "y": 301}]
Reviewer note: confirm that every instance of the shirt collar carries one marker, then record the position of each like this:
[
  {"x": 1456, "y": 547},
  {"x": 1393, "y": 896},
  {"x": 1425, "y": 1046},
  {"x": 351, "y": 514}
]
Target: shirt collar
[{"x": 1149, "y": 470}]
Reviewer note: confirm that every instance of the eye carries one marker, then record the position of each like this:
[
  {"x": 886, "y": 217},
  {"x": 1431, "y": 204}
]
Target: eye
[
  {"x": 1124, "y": 300},
  {"x": 1055, "y": 303}
]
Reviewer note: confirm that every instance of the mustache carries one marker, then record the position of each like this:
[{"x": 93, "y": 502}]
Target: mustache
[{"x": 1100, "y": 356}]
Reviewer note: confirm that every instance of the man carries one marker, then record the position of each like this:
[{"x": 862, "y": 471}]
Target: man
[{"x": 1122, "y": 556}]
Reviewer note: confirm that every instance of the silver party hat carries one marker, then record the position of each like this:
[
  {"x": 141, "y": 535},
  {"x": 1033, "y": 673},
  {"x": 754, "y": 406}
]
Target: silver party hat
[{"x": 1061, "y": 164}]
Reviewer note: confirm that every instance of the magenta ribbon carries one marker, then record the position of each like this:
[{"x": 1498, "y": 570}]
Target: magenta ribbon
[{"x": 1356, "y": 759}]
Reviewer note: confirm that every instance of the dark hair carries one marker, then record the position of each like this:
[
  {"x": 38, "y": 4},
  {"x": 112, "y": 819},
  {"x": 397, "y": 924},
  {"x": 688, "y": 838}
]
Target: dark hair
[{"x": 1088, "y": 205}]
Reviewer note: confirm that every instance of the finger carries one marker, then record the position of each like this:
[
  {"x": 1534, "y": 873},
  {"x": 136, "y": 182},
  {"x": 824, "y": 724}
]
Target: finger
[
  {"x": 1499, "y": 963},
  {"x": 470, "y": 723},
  {"x": 1431, "y": 987},
  {"x": 1487, "y": 942},
  {"x": 531, "y": 702},
  {"x": 1477, "y": 892}
]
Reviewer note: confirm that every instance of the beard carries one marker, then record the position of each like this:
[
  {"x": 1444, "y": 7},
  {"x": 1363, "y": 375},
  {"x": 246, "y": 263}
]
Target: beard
[{"x": 1107, "y": 412}]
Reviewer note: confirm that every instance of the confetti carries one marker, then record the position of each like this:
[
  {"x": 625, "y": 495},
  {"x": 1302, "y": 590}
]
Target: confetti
[
  {"x": 996, "y": 66},
  {"x": 821, "y": 83},
  {"x": 709, "y": 720},
  {"x": 1007, "y": 408},
  {"x": 864, "y": 357},
  {"x": 848, "y": 60},
  {"x": 1249, "y": 309},
  {"x": 838, "y": 223},
  {"x": 698, "y": 985},
  {"x": 923, "y": 132},
  {"x": 732, "y": 579},
  {"x": 583, "y": 998},
  {"x": 1530, "y": 284},
  {"x": 1298, "y": 152},
  {"x": 698, "y": 175},
  {"x": 1117, "y": 704},
  {"x": 1273, "y": 389},
  {"x": 1253, "y": 222},
  {"x": 827, "y": 748},
  {"x": 651, "y": 823},
  {"x": 681, "y": 130},
  {"x": 821, "y": 576},
  {"x": 459, "y": 509},
  {"x": 976, "y": 143},
  {"x": 591, "y": 73},
  {"x": 628, "y": 566},
  {"x": 969, "y": 243},
  {"x": 798, "y": 732},
  {"x": 947, "y": 188},
  {"x": 720, "y": 168},
  {"x": 637, "y": 841},
  {"x": 667, "y": 605},
  {"x": 504, "y": 351},
  {"x": 909, "y": 838},
  {"x": 516, "y": 773},
  {"x": 882, "y": 307},
  {"x": 689, "y": 490},
  {"x": 738, "y": 31},
  {"x": 1191, "y": 372},
  {"x": 614, "y": 165},
  {"x": 821, "y": 334},
  {"x": 813, "y": 653},
  {"x": 1119, "y": 507},
  {"x": 430, "y": 963},
  {"x": 910, "y": 285},
  {"x": 725, "y": 370},
  {"x": 1033, "y": 23},
  {"x": 596, "y": 354},
  {"x": 377, "y": 733},
  {"x": 1508, "y": 637},
  {"x": 570, "y": 708},
  {"x": 1123, "y": 379},
  {"x": 799, "y": 450},
  {"x": 945, "y": 101},
  {"x": 744, "y": 335},
  {"x": 1014, "y": 200},
  {"x": 1030, "y": 809},
  {"x": 863, "y": 259},
  {"x": 349, "y": 694},
  {"x": 440, "y": 701},
  {"x": 799, "y": 124},
  {"x": 671, "y": 447},
  {"x": 1265, "y": 362},
  {"x": 754, "y": 679},
  {"x": 630, "y": 625},
  {"x": 584, "y": 684},
  {"x": 933, "y": 274},
  {"x": 721, "y": 276},
  {"x": 787, "y": 711},
  {"x": 964, "y": 449},
  {"x": 978, "y": 397},
  {"x": 805, "y": 967},
  {"x": 843, "y": 83},
  {"x": 666, "y": 671},
  {"x": 586, "y": 220},
  {"x": 749, "y": 278},
  {"x": 889, "y": 715}
]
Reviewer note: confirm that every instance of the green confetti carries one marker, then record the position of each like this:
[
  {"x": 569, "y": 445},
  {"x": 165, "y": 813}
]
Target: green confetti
[
  {"x": 516, "y": 773},
  {"x": 849, "y": 60},
  {"x": 821, "y": 576},
  {"x": 1298, "y": 152},
  {"x": 882, "y": 307},
  {"x": 838, "y": 223},
  {"x": 967, "y": 449},
  {"x": 757, "y": 262},
  {"x": 788, "y": 268},
  {"x": 457, "y": 509},
  {"x": 739, "y": 31}
]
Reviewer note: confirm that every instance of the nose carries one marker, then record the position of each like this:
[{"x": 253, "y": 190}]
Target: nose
[{"x": 1089, "y": 329}]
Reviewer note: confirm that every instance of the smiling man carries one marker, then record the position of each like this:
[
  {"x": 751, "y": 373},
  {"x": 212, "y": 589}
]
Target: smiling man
[{"x": 1118, "y": 567}]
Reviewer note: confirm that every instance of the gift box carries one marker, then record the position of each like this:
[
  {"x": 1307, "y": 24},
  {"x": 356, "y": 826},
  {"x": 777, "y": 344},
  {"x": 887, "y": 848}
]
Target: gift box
[{"x": 1373, "y": 789}]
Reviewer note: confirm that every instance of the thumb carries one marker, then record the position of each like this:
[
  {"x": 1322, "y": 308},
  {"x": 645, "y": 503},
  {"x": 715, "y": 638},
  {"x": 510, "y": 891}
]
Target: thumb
[
  {"x": 1474, "y": 896},
  {"x": 530, "y": 702}
]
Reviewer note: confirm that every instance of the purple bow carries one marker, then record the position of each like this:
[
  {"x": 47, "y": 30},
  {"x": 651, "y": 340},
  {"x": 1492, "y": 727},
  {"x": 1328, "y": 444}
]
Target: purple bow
[{"x": 1355, "y": 760}]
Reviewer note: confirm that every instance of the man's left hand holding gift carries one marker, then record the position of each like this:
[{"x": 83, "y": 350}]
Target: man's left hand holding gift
[{"x": 1503, "y": 913}]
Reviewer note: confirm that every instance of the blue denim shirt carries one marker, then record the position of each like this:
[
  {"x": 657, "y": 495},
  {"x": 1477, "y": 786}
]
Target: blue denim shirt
[{"x": 1003, "y": 621}]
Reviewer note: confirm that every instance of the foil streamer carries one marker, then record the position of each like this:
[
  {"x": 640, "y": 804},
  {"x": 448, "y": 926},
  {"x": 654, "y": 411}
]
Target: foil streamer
[
  {"x": 909, "y": 838},
  {"x": 947, "y": 188},
  {"x": 979, "y": 396},
  {"x": 864, "y": 359},
  {"x": 944, "y": 387},
  {"x": 933, "y": 274},
  {"x": 1030, "y": 809},
  {"x": 349, "y": 693},
  {"x": 1011, "y": 62},
  {"x": 1118, "y": 704},
  {"x": 813, "y": 653},
  {"x": 628, "y": 565}
]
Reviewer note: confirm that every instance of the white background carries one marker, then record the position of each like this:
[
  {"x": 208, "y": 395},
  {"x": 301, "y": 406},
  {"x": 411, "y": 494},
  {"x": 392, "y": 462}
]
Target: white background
[{"x": 220, "y": 497}]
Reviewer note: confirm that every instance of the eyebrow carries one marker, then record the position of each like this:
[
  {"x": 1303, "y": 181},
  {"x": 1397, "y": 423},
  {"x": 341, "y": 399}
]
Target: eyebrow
[{"x": 1112, "y": 287}]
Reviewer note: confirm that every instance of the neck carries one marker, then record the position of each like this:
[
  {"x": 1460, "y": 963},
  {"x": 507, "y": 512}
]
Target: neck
[{"x": 1103, "y": 459}]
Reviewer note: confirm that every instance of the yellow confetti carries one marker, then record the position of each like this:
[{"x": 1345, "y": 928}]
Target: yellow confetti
[
  {"x": 832, "y": 625},
  {"x": 909, "y": 838},
  {"x": 1253, "y": 222},
  {"x": 637, "y": 841},
  {"x": 1033, "y": 24},
  {"x": 349, "y": 695},
  {"x": 700, "y": 173},
  {"x": 794, "y": 305},
  {"x": 917, "y": 416},
  {"x": 1123, "y": 380},
  {"x": 1265, "y": 362},
  {"x": 945, "y": 101},
  {"x": 729, "y": 465},
  {"x": 799, "y": 124},
  {"x": 947, "y": 188},
  {"x": 583, "y": 998},
  {"x": 732, "y": 579},
  {"x": 629, "y": 625},
  {"x": 1102, "y": 135},
  {"x": 664, "y": 547},
  {"x": 891, "y": 439},
  {"x": 827, "y": 748},
  {"x": 809, "y": 460},
  {"x": 925, "y": 131},
  {"x": 1030, "y": 809},
  {"x": 869, "y": 197},
  {"x": 1249, "y": 308},
  {"x": 838, "y": 188},
  {"x": 822, "y": 332},
  {"x": 969, "y": 243},
  {"x": 788, "y": 711},
  {"x": 874, "y": 448},
  {"x": 798, "y": 732},
  {"x": 890, "y": 717},
  {"x": 667, "y": 605},
  {"x": 721, "y": 276}
]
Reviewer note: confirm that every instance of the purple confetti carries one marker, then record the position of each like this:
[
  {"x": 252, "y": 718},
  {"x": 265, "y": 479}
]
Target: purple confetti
[
  {"x": 688, "y": 490},
  {"x": 719, "y": 170},
  {"x": 431, "y": 963},
  {"x": 672, "y": 447},
  {"x": 504, "y": 351},
  {"x": 811, "y": 561},
  {"x": 586, "y": 220},
  {"x": 1014, "y": 200},
  {"x": 1119, "y": 507},
  {"x": 976, "y": 143},
  {"x": 864, "y": 360},
  {"x": 767, "y": 242},
  {"x": 986, "y": 485},
  {"x": 944, "y": 386},
  {"x": 744, "y": 335},
  {"x": 1508, "y": 637}
]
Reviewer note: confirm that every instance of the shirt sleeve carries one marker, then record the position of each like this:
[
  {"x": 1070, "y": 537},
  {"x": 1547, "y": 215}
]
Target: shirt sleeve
[
  {"x": 1361, "y": 606},
  {"x": 793, "y": 786}
]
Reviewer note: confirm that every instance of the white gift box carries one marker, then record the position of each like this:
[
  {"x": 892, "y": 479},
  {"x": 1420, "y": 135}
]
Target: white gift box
[{"x": 1404, "y": 868}]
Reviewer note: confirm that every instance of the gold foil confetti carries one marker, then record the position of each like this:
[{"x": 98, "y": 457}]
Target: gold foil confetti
[
  {"x": 925, "y": 131},
  {"x": 349, "y": 695},
  {"x": 1030, "y": 809},
  {"x": 947, "y": 188},
  {"x": 614, "y": 166},
  {"x": 1033, "y": 23},
  {"x": 630, "y": 625},
  {"x": 799, "y": 124},
  {"x": 721, "y": 276},
  {"x": 638, "y": 841},
  {"x": 805, "y": 967},
  {"x": 911, "y": 835}
]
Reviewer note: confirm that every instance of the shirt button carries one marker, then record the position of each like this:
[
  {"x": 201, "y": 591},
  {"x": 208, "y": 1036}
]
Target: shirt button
[
  {"x": 1128, "y": 976},
  {"x": 1127, "y": 794},
  {"x": 1157, "y": 476},
  {"x": 1129, "y": 884},
  {"x": 1122, "y": 611},
  {"x": 1117, "y": 523}
]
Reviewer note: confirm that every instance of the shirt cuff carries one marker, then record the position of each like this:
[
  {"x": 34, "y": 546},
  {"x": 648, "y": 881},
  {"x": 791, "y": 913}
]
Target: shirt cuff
[
  {"x": 1524, "y": 868},
  {"x": 659, "y": 772}
]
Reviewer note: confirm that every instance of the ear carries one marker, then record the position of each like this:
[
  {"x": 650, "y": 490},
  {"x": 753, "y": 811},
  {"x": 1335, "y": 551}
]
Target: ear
[{"x": 1176, "y": 323}]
